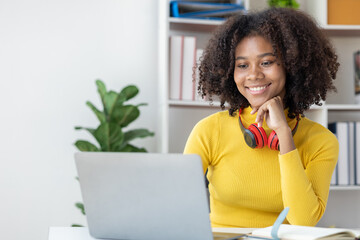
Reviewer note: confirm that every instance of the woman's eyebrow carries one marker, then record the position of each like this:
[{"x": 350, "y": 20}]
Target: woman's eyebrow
[
  {"x": 258, "y": 56},
  {"x": 266, "y": 54}
]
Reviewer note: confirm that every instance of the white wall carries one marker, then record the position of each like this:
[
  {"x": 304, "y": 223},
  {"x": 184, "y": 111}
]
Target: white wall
[{"x": 51, "y": 52}]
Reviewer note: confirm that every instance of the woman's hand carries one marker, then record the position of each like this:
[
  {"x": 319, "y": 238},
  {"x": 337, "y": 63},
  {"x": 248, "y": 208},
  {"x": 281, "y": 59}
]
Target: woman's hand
[{"x": 272, "y": 111}]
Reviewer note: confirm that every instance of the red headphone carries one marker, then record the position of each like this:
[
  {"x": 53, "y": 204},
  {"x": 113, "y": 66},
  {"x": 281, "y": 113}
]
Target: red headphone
[{"x": 256, "y": 137}]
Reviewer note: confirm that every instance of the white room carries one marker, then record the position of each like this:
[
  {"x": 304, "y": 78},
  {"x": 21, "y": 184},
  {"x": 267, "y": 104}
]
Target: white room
[{"x": 52, "y": 52}]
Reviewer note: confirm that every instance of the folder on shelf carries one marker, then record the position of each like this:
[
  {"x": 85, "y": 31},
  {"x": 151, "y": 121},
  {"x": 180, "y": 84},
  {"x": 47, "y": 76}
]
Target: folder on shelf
[
  {"x": 184, "y": 9},
  {"x": 182, "y": 75},
  {"x": 357, "y": 153},
  {"x": 347, "y": 171},
  {"x": 176, "y": 67},
  {"x": 340, "y": 129},
  {"x": 351, "y": 150},
  {"x": 189, "y": 65}
]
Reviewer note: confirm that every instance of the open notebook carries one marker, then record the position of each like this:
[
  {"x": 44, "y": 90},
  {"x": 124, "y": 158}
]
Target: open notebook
[
  {"x": 294, "y": 232},
  {"x": 281, "y": 231}
]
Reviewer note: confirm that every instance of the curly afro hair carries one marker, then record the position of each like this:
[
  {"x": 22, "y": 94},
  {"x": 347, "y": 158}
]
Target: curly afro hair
[{"x": 308, "y": 57}]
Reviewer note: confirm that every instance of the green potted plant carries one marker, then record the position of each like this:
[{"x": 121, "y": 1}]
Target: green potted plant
[
  {"x": 284, "y": 3},
  {"x": 116, "y": 115}
]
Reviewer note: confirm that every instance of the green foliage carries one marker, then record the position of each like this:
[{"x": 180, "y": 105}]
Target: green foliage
[
  {"x": 80, "y": 206},
  {"x": 115, "y": 116},
  {"x": 284, "y": 3},
  {"x": 110, "y": 135}
]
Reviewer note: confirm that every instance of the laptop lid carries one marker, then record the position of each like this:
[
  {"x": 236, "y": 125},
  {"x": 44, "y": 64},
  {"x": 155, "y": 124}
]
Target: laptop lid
[{"x": 144, "y": 195}]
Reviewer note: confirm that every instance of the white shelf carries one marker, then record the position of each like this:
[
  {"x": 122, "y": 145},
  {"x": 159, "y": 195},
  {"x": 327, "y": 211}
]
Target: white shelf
[
  {"x": 341, "y": 27},
  {"x": 329, "y": 27},
  {"x": 343, "y": 107},
  {"x": 344, "y": 188},
  {"x": 195, "y": 21}
]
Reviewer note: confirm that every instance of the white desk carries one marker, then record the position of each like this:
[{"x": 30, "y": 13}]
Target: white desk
[
  {"x": 82, "y": 233},
  {"x": 69, "y": 233}
]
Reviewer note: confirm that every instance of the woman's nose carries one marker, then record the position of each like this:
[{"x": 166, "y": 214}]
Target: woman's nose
[{"x": 255, "y": 73}]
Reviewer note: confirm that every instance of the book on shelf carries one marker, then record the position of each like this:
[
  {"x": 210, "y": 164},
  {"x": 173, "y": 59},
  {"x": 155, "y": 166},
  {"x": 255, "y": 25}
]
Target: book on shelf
[
  {"x": 176, "y": 67},
  {"x": 347, "y": 171},
  {"x": 183, "y": 63},
  {"x": 357, "y": 153},
  {"x": 211, "y": 10},
  {"x": 351, "y": 151},
  {"x": 357, "y": 76},
  {"x": 189, "y": 65}
]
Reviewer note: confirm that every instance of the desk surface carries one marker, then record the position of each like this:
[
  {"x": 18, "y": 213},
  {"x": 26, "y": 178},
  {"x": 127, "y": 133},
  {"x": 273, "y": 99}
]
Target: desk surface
[{"x": 82, "y": 233}]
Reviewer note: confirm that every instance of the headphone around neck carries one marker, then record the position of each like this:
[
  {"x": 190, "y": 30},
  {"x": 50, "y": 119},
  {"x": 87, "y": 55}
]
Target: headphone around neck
[{"x": 256, "y": 137}]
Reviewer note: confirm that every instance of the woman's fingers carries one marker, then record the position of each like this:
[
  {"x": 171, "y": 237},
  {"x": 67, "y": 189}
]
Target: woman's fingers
[{"x": 269, "y": 111}]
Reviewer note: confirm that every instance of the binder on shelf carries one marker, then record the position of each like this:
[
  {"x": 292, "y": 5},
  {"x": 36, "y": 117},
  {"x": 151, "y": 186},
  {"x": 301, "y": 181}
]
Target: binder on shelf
[
  {"x": 185, "y": 9},
  {"x": 357, "y": 153},
  {"x": 189, "y": 65},
  {"x": 176, "y": 67},
  {"x": 351, "y": 152},
  {"x": 340, "y": 129}
]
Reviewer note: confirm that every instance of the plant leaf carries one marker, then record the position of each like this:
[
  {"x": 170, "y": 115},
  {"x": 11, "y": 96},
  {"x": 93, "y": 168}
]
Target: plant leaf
[
  {"x": 109, "y": 101},
  {"x": 76, "y": 225},
  {"x": 132, "y": 148},
  {"x": 85, "y": 146},
  {"x": 80, "y": 206},
  {"x": 109, "y": 136},
  {"x": 90, "y": 130},
  {"x": 100, "y": 115},
  {"x": 101, "y": 89},
  {"x": 142, "y": 104},
  {"x": 137, "y": 133},
  {"x": 129, "y": 91},
  {"x": 125, "y": 114}
]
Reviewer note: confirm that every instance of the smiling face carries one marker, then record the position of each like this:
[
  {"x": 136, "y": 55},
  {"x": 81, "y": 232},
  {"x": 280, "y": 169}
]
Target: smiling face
[{"x": 259, "y": 74}]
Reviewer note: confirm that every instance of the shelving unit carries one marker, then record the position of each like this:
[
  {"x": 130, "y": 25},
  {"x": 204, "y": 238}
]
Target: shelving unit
[{"x": 177, "y": 118}]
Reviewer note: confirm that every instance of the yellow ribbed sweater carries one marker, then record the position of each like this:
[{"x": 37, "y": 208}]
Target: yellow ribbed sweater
[{"x": 249, "y": 187}]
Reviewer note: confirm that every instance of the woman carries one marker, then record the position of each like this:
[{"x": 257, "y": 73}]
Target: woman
[{"x": 263, "y": 154}]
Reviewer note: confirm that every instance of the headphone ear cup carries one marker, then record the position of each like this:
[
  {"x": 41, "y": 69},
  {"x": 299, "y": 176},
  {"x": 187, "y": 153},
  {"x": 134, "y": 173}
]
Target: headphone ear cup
[
  {"x": 273, "y": 141},
  {"x": 250, "y": 138},
  {"x": 259, "y": 135}
]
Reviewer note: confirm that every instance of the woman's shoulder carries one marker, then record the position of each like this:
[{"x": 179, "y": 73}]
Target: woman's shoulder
[
  {"x": 215, "y": 121},
  {"x": 314, "y": 129},
  {"x": 216, "y": 117}
]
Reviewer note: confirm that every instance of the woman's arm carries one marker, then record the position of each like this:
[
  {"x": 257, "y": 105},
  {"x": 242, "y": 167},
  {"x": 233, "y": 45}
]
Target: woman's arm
[{"x": 305, "y": 188}]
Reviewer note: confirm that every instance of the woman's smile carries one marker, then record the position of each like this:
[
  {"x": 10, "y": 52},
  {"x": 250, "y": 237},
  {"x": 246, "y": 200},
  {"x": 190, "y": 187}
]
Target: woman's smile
[{"x": 258, "y": 89}]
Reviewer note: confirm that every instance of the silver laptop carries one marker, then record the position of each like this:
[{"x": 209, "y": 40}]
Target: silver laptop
[{"x": 144, "y": 195}]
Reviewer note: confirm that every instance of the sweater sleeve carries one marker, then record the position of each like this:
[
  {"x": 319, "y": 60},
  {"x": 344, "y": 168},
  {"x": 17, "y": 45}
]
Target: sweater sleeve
[
  {"x": 203, "y": 140},
  {"x": 305, "y": 182}
]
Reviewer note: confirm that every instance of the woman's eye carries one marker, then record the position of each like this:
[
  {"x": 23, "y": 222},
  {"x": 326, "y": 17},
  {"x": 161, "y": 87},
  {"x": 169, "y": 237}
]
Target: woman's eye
[
  {"x": 267, "y": 63},
  {"x": 242, "y": 66}
]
